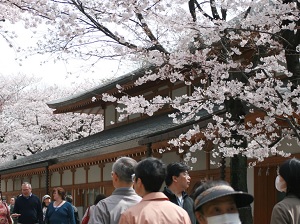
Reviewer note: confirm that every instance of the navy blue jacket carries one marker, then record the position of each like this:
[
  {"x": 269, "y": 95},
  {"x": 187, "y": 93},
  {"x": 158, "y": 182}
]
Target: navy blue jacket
[{"x": 30, "y": 209}]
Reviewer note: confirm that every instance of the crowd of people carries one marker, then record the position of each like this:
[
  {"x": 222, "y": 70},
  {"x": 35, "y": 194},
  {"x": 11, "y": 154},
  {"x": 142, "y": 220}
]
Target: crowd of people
[{"x": 138, "y": 199}]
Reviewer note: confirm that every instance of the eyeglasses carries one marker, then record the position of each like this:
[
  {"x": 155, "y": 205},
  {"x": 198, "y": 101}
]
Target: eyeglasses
[
  {"x": 185, "y": 174},
  {"x": 133, "y": 177}
]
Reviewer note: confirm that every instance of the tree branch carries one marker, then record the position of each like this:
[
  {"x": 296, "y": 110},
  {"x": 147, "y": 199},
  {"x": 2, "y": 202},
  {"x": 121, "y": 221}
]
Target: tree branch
[
  {"x": 102, "y": 28},
  {"x": 214, "y": 9},
  {"x": 148, "y": 32},
  {"x": 202, "y": 11}
]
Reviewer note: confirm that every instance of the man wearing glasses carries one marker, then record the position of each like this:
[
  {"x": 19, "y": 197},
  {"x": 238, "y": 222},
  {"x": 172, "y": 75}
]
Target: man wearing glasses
[
  {"x": 109, "y": 210},
  {"x": 177, "y": 181},
  {"x": 28, "y": 207}
]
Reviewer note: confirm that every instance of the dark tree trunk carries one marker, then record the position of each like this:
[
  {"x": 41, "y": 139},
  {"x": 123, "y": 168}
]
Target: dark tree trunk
[{"x": 238, "y": 165}]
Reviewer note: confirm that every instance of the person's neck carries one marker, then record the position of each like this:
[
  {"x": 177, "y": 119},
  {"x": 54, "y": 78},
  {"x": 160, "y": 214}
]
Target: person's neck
[
  {"x": 123, "y": 184},
  {"x": 175, "y": 190},
  {"x": 58, "y": 202}
]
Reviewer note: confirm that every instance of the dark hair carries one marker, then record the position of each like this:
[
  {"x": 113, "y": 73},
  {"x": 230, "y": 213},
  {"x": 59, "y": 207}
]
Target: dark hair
[
  {"x": 60, "y": 191},
  {"x": 194, "y": 192},
  {"x": 290, "y": 172},
  {"x": 174, "y": 169},
  {"x": 124, "y": 168},
  {"x": 69, "y": 198},
  {"x": 98, "y": 198},
  {"x": 1, "y": 195},
  {"x": 152, "y": 173}
]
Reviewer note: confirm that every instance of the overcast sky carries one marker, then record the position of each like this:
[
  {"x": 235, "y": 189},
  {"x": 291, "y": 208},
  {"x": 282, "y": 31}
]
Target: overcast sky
[{"x": 50, "y": 72}]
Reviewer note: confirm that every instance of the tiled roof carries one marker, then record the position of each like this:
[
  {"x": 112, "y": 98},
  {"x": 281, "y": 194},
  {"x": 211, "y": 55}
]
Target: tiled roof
[
  {"x": 97, "y": 144},
  {"x": 98, "y": 89}
]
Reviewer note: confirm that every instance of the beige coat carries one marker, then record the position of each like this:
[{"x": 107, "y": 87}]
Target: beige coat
[
  {"x": 155, "y": 208},
  {"x": 286, "y": 211}
]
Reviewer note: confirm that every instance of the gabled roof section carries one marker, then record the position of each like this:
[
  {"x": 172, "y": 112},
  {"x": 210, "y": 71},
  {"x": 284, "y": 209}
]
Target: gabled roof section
[
  {"x": 156, "y": 128},
  {"x": 81, "y": 101}
]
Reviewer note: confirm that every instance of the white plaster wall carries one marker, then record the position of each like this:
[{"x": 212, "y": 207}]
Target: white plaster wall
[
  {"x": 94, "y": 174},
  {"x": 9, "y": 185},
  {"x": 250, "y": 180},
  {"x": 250, "y": 184},
  {"x": 200, "y": 164},
  {"x": 55, "y": 179},
  {"x": 163, "y": 88},
  {"x": 80, "y": 176},
  {"x": 109, "y": 115},
  {"x": 132, "y": 116},
  {"x": 216, "y": 160},
  {"x": 169, "y": 157},
  {"x": 107, "y": 171},
  {"x": 17, "y": 184},
  {"x": 35, "y": 181},
  {"x": 289, "y": 145},
  {"x": 25, "y": 179},
  {"x": 67, "y": 177},
  {"x": 179, "y": 92},
  {"x": 3, "y": 186},
  {"x": 118, "y": 114},
  {"x": 43, "y": 181}
]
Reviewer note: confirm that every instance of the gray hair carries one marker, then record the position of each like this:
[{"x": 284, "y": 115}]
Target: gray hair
[
  {"x": 27, "y": 184},
  {"x": 124, "y": 168}
]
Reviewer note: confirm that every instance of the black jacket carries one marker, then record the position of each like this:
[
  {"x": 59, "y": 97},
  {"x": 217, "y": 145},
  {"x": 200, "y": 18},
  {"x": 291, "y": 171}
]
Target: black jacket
[
  {"x": 30, "y": 209},
  {"x": 188, "y": 203}
]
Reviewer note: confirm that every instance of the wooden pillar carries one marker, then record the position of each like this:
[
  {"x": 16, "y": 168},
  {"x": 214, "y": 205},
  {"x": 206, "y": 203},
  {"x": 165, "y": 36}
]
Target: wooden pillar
[
  {"x": 6, "y": 180},
  {"x": 47, "y": 179},
  {"x": 86, "y": 168},
  {"x": 101, "y": 166},
  {"x": 61, "y": 172},
  {"x": 223, "y": 168},
  {"x": 149, "y": 150},
  {"x": 73, "y": 170}
]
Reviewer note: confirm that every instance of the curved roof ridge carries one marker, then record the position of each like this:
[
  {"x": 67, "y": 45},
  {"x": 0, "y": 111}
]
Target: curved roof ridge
[{"x": 54, "y": 104}]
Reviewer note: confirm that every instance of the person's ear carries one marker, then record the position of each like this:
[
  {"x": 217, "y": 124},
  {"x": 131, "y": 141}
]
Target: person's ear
[
  {"x": 200, "y": 218},
  {"x": 174, "y": 178},
  {"x": 115, "y": 177},
  {"x": 139, "y": 182}
]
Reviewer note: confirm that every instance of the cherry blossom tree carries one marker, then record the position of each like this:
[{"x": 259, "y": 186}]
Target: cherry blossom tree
[
  {"x": 242, "y": 50},
  {"x": 28, "y": 125},
  {"x": 245, "y": 54}
]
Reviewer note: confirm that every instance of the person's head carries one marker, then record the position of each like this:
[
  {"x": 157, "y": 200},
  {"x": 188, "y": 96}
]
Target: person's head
[
  {"x": 98, "y": 198},
  {"x": 58, "y": 193},
  {"x": 12, "y": 201},
  {"x": 69, "y": 198},
  {"x": 288, "y": 179},
  {"x": 46, "y": 199},
  {"x": 122, "y": 171},
  {"x": 26, "y": 189},
  {"x": 218, "y": 202},
  {"x": 178, "y": 176},
  {"x": 149, "y": 176}
]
